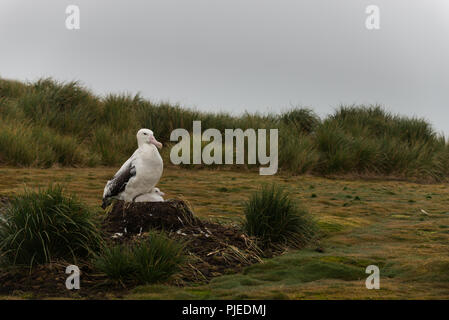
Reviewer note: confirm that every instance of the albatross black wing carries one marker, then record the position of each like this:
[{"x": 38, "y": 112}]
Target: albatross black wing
[{"x": 118, "y": 183}]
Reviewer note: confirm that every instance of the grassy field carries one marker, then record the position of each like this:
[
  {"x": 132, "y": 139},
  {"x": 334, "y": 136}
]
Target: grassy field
[{"x": 401, "y": 227}]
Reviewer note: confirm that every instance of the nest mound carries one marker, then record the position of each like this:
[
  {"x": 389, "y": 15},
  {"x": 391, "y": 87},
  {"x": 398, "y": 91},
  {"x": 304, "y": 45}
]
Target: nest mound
[
  {"x": 214, "y": 249},
  {"x": 138, "y": 217}
]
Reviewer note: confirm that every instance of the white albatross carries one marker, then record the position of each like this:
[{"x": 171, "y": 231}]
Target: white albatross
[
  {"x": 156, "y": 195},
  {"x": 139, "y": 174}
]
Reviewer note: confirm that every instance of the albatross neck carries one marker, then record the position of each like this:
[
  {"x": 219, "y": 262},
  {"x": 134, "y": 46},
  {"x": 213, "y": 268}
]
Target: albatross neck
[{"x": 147, "y": 146}]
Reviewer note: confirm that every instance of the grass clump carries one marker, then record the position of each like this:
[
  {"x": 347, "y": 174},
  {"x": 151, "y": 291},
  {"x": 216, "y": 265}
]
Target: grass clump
[
  {"x": 66, "y": 107},
  {"x": 11, "y": 88},
  {"x": 115, "y": 262},
  {"x": 275, "y": 219},
  {"x": 153, "y": 260},
  {"x": 303, "y": 120},
  {"x": 40, "y": 227}
]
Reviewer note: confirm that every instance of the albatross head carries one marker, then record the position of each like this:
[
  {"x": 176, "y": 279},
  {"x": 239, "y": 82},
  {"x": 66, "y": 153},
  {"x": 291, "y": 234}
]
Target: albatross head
[
  {"x": 146, "y": 136},
  {"x": 158, "y": 191}
]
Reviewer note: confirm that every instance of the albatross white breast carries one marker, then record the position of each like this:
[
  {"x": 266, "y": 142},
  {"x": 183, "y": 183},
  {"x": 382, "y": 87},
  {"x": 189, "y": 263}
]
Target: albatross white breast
[{"x": 139, "y": 174}]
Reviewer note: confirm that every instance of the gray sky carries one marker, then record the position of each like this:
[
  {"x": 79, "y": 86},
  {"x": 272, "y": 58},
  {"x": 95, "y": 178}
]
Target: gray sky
[{"x": 237, "y": 55}]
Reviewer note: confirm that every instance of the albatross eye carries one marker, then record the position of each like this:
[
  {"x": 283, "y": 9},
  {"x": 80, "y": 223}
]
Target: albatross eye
[{"x": 145, "y": 133}]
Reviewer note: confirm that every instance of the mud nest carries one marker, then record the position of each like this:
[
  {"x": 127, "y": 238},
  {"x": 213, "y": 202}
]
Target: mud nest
[
  {"x": 137, "y": 217},
  {"x": 214, "y": 249}
]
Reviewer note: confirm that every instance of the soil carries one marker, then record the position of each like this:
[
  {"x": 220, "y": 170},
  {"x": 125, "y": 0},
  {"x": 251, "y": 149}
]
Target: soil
[
  {"x": 213, "y": 249},
  {"x": 136, "y": 217},
  {"x": 49, "y": 281}
]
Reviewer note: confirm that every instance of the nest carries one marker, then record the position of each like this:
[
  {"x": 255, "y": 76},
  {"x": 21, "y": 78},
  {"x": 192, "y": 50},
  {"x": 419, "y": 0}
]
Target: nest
[{"x": 214, "y": 249}]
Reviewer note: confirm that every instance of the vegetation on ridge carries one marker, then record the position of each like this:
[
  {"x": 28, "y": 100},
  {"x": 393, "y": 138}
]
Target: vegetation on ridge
[{"x": 48, "y": 123}]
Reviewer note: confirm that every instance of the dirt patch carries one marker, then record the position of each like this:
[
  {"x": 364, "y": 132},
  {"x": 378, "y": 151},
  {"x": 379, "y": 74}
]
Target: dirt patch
[
  {"x": 49, "y": 281},
  {"x": 137, "y": 217}
]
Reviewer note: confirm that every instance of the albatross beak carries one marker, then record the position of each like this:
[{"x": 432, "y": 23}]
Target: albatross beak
[{"x": 155, "y": 142}]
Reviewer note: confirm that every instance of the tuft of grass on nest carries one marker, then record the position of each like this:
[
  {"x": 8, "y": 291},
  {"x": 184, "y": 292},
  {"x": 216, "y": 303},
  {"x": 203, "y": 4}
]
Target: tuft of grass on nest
[
  {"x": 40, "y": 227},
  {"x": 153, "y": 260},
  {"x": 274, "y": 219}
]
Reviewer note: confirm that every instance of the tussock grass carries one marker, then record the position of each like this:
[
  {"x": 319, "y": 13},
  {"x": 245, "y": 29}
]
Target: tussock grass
[
  {"x": 274, "y": 219},
  {"x": 370, "y": 140},
  {"x": 42, "y": 226},
  {"x": 115, "y": 262},
  {"x": 298, "y": 152},
  {"x": 303, "y": 120},
  {"x": 153, "y": 260},
  {"x": 24, "y": 144},
  {"x": 66, "y": 107},
  {"x": 65, "y": 124},
  {"x": 11, "y": 88}
]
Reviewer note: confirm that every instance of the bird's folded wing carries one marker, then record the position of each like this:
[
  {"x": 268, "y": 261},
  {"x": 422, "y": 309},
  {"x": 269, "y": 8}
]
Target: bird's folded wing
[{"x": 120, "y": 179}]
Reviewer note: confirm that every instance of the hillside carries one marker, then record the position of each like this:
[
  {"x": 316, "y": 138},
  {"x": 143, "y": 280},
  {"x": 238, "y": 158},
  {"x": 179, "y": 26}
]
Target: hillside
[{"x": 46, "y": 123}]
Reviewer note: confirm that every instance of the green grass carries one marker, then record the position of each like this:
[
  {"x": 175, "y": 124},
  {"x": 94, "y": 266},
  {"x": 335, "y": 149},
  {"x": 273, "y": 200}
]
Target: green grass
[
  {"x": 371, "y": 140},
  {"x": 274, "y": 219},
  {"x": 303, "y": 120},
  {"x": 153, "y": 260},
  {"x": 115, "y": 261},
  {"x": 304, "y": 266},
  {"x": 282, "y": 277},
  {"x": 47, "y": 122},
  {"x": 40, "y": 227}
]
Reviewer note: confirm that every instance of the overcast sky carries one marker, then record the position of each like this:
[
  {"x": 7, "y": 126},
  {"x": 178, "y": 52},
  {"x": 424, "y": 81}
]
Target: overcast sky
[{"x": 237, "y": 55}]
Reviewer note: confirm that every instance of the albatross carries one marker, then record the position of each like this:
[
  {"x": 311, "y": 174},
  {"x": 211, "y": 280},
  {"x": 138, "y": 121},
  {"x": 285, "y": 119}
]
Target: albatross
[
  {"x": 139, "y": 174},
  {"x": 156, "y": 195}
]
